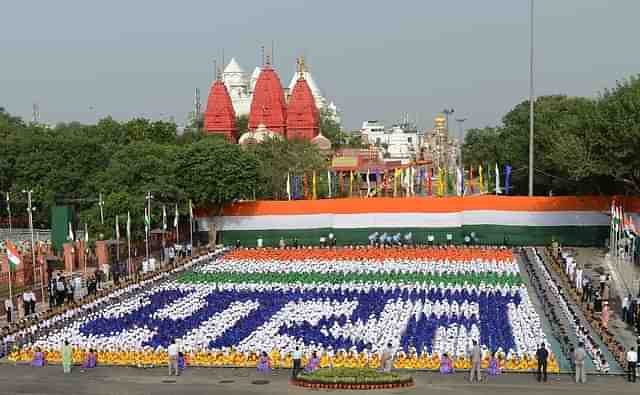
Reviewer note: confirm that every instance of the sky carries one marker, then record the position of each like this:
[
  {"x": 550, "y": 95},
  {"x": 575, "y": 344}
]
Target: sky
[{"x": 84, "y": 59}]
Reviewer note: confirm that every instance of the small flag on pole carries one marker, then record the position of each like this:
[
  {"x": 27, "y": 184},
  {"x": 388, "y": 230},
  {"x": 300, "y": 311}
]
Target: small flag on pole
[
  {"x": 86, "y": 235},
  {"x": 128, "y": 226},
  {"x": 190, "y": 210},
  {"x": 12, "y": 255},
  {"x": 480, "y": 179},
  {"x": 164, "y": 217},
  {"x": 329, "y": 182},
  {"x": 314, "y": 183},
  {"x": 147, "y": 221},
  {"x": 289, "y": 186},
  {"x": 117, "y": 229},
  {"x": 497, "y": 179},
  {"x": 70, "y": 236},
  {"x": 175, "y": 218}
]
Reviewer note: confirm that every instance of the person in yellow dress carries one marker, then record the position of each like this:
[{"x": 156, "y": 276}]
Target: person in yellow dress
[{"x": 325, "y": 361}]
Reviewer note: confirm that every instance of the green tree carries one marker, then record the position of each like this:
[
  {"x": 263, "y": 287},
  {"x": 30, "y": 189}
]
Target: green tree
[
  {"x": 242, "y": 124},
  {"x": 279, "y": 157},
  {"x": 214, "y": 173},
  {"x": 330, "y": 128}
]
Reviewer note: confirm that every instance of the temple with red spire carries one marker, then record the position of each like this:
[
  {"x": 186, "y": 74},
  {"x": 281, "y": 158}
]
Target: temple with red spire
[
  {"x": 268, "y": 106},
  {"x": 303, "y": 117},
  {"x": 220, "y": 117}
]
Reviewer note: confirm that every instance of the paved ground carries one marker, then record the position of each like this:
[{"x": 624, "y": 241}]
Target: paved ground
[
  {"x": 625, "y": 279},
  {"x": 115, "y": 381}
]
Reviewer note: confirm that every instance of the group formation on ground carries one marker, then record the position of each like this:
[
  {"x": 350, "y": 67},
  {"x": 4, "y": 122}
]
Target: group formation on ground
[{"x": 343, "y": 305}]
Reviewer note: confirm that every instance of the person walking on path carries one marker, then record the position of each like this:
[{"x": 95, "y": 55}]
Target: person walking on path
[
  {"x": 172, "y": 352},
  {"x": 297, "y": 362},
  {"x": 476, "y": 361},
  {"x": 542, "y": 355},
  {"x": 67, "y": 357},
  {"x": 632, "y": 362},
  {"x": 579, "y": 356}
]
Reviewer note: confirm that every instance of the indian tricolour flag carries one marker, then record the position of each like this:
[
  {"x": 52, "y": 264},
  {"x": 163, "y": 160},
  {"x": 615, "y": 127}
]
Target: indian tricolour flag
[{"x": 12, "y": 255}]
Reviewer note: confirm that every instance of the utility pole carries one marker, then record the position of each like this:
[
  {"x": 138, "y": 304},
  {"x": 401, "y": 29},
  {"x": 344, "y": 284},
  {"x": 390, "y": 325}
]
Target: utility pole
[{"x": 531, "y": 108}]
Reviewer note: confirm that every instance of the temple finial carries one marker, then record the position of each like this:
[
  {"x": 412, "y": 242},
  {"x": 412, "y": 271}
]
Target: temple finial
[{"x": 301, "y": 67}]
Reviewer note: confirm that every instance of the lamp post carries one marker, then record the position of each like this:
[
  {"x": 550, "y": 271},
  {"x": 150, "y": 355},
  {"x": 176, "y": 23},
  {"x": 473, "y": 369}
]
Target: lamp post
[
  {"x": 447, "y": 112},
  {"x": 531, "y": 92},
  {"x": 30, "y": 210},
  {"x": 148, "y": 199},
  {"x": 461, "y": 141}
]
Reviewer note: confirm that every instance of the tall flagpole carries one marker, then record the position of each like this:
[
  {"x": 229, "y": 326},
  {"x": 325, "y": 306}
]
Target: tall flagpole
[
  {"x": 129, "y": 269},
  {"x": 191, "y": 225},
  {"x": 531, "y": 104},
  {"x": 10, "y": 286},
  {"x": 118, "y": 248},
  {"x": 9, "y": 212}
]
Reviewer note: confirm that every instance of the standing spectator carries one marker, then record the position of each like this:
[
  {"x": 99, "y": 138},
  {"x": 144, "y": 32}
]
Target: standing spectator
[
  {"x": 387, "y": 358},
  {"x": 603, "y": 279},
  {"x": 60, "y": 290},
  {"x": 579, "y": 356},
  {"x": 476, "y": 360},
  {"x": 264, "y": 364},
  {"x": 605, "y": 315},
  {"x": 626, "y": 302},
  {"x": 32, "y": 301},
  {"x": 586, "y": 295},
  {"x": 67, "y": 357},
  {"x": 297, "y": 362},
  {"x": 8, "y": 307},
  {"x": 52, "y": 293},
  {"x": 173, "y": 351},
  {"x": 542, "y": 355},
  {"x": 632, "y": 361},
  {"x": 26, "y": 303}
]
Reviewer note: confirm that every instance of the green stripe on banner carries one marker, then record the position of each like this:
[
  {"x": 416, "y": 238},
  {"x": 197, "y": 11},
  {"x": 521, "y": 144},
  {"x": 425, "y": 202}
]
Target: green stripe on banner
[
  {"x": 341, "y": 278},
  {"x": 583, "y": 236}
]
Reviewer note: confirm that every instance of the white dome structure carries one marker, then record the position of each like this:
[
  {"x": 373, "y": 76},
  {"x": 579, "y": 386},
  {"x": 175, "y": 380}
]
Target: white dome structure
[{"x": 260, "y": 135}]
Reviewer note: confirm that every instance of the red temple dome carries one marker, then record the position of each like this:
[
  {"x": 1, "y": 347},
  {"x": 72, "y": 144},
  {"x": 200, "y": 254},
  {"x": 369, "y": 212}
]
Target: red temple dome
[
  {"x": 220, "y": 116},
  {"x": 268, "y": 105},
  {"x": 303, "y": 117}
]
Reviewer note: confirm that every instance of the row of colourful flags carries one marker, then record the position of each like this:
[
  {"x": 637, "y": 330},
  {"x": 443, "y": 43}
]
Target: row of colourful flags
[
  {"x": 406, "y": 181},
  {"x": 147, "y": 223},
  {"x": 622, "y": 228}
]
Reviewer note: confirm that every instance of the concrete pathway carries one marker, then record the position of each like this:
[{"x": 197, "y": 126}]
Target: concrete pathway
[{"x": 109, "y": 381}]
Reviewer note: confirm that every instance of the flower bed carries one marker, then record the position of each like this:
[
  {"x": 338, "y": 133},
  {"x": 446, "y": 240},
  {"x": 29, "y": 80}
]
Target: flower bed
[{"x": 352, "y": 379}]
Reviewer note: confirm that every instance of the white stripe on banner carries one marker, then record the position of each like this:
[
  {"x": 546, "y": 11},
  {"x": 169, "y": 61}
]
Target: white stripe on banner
[{"x": 407, "y": 220}]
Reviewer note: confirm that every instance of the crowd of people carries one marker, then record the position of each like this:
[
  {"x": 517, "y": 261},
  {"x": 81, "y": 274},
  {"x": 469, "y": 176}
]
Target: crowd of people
[
  {"x": 444, "y": 308},
  {"x": 24, "y": 332}
]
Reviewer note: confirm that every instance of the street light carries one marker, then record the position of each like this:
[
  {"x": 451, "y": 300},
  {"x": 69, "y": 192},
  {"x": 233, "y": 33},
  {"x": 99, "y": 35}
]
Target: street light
[
  {"x": 101, "y": 205},
  {"x": 531, "y": 92},
  {"x": 30, "y": 210},
  {"x": 148, "y": 198},
  {"x": 461, "y": 141},
  {"x": 447, "y": 112}
]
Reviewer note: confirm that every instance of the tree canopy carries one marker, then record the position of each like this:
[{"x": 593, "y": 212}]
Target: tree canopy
[{"x": 581, "y": 145}]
